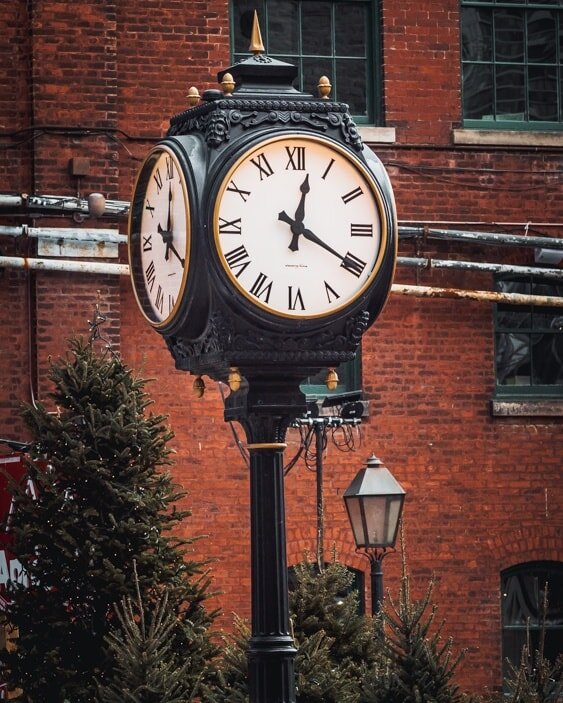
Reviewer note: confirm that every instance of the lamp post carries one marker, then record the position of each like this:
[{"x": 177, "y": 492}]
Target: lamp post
[{"x": 374, "y": 501}]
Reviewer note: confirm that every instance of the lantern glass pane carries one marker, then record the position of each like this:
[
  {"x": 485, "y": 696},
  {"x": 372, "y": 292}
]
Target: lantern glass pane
[
  {"x": 355, "y": 515},
  {"x": 395, "y": 504},
  {"x": 375, "y": 514}
]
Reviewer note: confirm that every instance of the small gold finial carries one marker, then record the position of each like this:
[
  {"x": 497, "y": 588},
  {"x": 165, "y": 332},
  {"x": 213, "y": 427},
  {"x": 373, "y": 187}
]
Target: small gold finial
[
  {"x": 256, "y": 45},
  {"x": 331, "y": 379},
  {"x": 228, "y": 84},
  {"x": 193, "y": 96},
  {"x": 198, "y": 387},
  {"x": 234, "y": 380},
  {"x": 324, "y": 87}
]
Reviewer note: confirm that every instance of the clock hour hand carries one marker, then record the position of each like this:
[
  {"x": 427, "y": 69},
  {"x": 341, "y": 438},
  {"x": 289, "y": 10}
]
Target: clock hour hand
[
  {"x": 166, "y": 235},
  {"x": 300, "y": 213}
]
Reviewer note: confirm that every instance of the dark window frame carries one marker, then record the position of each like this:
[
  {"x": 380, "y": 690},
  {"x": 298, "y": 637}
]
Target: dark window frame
[
  {"x": 534, "y": 339},
  {"x": 372, "y": 56},
  {"x": 526, "y": 65},
  {"x": 524, "y": 608}
]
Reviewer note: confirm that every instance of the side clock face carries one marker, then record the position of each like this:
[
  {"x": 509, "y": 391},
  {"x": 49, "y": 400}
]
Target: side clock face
[
  {"x": 299, "y": 226},
  {"x": 160, "y": 236}
]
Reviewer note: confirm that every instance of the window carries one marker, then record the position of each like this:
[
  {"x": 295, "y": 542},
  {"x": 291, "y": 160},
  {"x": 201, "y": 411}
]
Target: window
[
  {"x": 335, "y": 38},
  {"x": 349, "y": 382},
  {"x": 522, "y": 597},
  {"x": 529, "y": 341},
  {"x": 512, "y": 62}
]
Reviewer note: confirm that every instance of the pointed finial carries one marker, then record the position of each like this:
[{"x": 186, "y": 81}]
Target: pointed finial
[
  {"x": 324, "y": 87},
  {"x": 256, "y": 45},
  {"x": 228, "y": 84},
  {"x": 331, "y": 379},
  {"x": 193, "y": 96}
]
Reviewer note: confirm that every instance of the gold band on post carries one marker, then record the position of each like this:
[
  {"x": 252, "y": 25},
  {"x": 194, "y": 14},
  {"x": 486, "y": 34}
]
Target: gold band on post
[{"x": 267, "y": 445}]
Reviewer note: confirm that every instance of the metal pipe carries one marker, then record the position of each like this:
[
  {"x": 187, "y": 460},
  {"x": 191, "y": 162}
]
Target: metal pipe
[
  {"x": 481, "y": 295},
  {"x": 23, "y": 262},
  {"x": 476, "y": 266},
  {"x": 519, "y": 240},
  {"x": 78, "y": 234}
]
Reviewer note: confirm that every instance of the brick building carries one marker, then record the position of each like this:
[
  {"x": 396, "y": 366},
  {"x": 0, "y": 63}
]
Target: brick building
[{"x": 462, "y": 100}]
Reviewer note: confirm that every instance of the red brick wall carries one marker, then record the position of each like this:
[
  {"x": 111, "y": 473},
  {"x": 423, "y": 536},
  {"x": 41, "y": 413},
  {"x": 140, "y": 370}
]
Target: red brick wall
[{"x": 476, "y": 484}]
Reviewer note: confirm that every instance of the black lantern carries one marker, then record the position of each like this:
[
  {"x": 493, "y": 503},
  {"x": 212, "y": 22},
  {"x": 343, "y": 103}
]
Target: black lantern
[{"x": 374, "y": 501}]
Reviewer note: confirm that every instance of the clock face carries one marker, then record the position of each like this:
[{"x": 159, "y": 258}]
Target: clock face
[
  {"x": 159, "y": 237},
  {"x": 299, "y": 226}
]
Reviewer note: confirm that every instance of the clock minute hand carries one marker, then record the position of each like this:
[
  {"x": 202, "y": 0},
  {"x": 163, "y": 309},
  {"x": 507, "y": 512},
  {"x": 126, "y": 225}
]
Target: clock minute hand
[
  {"x": 174, "y": 251},
  {"x": 312, "y": 237}
]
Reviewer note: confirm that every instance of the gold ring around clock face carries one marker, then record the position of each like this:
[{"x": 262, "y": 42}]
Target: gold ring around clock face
[
  {"x": 160, "y": 236},
  {"x": 299, "y": 226}
]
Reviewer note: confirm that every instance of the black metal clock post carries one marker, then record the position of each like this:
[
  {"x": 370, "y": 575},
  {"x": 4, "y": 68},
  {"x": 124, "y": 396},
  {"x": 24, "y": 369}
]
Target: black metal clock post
[
  {"x": 224, "y": 323},
  {"x": 265, "y": 410}
]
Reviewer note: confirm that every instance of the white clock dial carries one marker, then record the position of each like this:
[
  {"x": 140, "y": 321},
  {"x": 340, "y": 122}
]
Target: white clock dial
[
  {"x": 159, "y": 241},
  {"x": 299, "y": 226}
]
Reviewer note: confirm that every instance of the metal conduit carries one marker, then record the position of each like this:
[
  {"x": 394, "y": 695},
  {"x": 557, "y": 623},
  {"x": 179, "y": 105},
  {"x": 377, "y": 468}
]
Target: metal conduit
[
  {"x": 519, "y": 240},
  {"x": 400, "y": 289},
  {"x": 477, "y": 266},
  {"x": 78, "y": 234}
]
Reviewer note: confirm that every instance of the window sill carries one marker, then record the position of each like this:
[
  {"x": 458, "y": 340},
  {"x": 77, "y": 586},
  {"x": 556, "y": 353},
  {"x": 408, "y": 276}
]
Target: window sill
[
  {"x": 527, "y": 408},
  {"x": 377, "y": 135},
  {"x": 507, "y": 137}
]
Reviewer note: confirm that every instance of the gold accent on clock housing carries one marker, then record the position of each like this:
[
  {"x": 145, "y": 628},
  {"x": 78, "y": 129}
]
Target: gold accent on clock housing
[
  {"x": 198, "y": 387},
  {"x": 256, "y": 44},
  {"x": 228, "y": 84},
  {"x": 267, "y": 445},
  {"x": 193, "y": 96},
  {"x": 324, "y": 87},
  {"x": 234, "y": 379},
  {"x": 331, "y": 379}
]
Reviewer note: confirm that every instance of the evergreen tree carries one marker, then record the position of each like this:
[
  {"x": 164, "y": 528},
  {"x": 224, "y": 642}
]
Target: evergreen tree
[
  {"x": 415, "y": 664},
  {"x": 146, "y": 670},
  {"x": 103, "y": 502},
  {"x": 335, "y": 644}
]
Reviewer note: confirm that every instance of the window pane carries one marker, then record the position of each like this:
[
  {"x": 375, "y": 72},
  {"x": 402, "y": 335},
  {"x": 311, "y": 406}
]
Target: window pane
[
  {"x": 542, "y": 81},
  {"x": 547, "y": 359},
  {"x": 283, "y": 27},
  {"x": 312, "y": 69},
  {"x": 477, "y": 34},
  {"x": 352, "y": 23},
  {"x": 510, "y": 93},
  {"x": 513, "y": 359},
  {"x": 351, "y": 80},
  {"x": 243, "y": 14},
  {"x": 514, "y": 317},
  {"x": 542, "y": 37},
  {"x": 509, "y": 36},
  {"x": 316, "y": 32},
  {"x": 477, "y": 91}
]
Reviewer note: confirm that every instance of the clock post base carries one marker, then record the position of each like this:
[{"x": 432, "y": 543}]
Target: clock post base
[{"x": 265, "y": 417}]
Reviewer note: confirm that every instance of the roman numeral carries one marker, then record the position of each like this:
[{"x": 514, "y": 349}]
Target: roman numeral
[
  {"x": 169, "y": 168},
  {"x": 361, "y": 230},
  {"x": 229, "y": 226},
  {"x": 171, "y": 303},
  {"x": 238, "y": 259},
  {"x": 296, "y": 157},
  {"x": 150, "y": 208},
  {"x": 233, "y": 189},
  {"x": 158, "y": 180},
  {"x": 147, "y": 242},
  {"x": 353, "y": 264},
  {"x": 260, "y": 287},
  {"x": 261, "y": 163},
  {"x": 327, "y": 169},
  {"x": 295, "y": 299},
  {"x": 150, "y": 275},
  {"x": 330, "y": 291},
  {"x": 352, "y": 195},
  {"x": 159, "y": 302}
]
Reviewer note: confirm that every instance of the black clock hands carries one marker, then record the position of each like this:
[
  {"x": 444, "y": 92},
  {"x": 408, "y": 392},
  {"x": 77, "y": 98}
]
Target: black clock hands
[
  {"x": 298, "y": 228},
  {"x": 168, "y": 234},
  {"x": 296, "y": 224}
]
